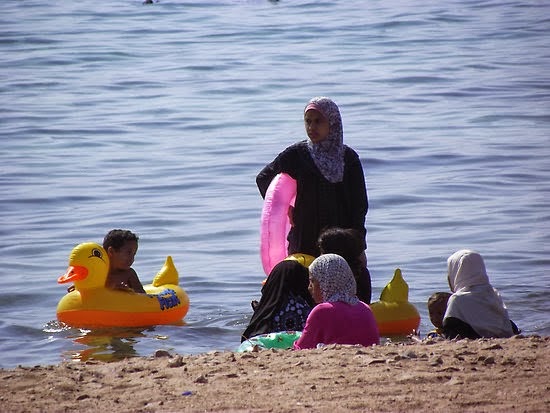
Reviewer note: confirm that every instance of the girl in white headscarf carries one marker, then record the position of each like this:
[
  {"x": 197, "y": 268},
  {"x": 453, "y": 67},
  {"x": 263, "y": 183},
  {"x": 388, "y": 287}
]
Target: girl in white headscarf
[
  {"x": 475, "y": 309},
  {"x": 339, "y": 317},
  {"x": 331, "y": 189}
]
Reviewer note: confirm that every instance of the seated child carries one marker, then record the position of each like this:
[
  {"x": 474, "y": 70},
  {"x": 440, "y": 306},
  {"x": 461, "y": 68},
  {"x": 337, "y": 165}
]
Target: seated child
[
  {"x": 121, "y": 247},
  {"x": 349, "y": 244},
  {"x": 285, "y": 302},
  {"x": 437, "y": 305},
  {"x": 339, "y": 317},
  {"x": 475, "y": 309}
]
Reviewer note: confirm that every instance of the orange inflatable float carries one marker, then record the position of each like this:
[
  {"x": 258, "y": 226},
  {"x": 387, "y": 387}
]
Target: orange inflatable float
[
  {"x": 90, "y": 304},
  {"x": 394, "y": 314}
]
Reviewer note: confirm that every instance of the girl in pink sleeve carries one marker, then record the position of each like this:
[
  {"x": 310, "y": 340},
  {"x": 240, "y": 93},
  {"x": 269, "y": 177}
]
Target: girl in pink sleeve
[{"x": 339, "y": 317}]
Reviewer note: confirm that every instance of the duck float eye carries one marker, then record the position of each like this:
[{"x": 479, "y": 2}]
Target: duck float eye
[{"x": 97, "y": 253}]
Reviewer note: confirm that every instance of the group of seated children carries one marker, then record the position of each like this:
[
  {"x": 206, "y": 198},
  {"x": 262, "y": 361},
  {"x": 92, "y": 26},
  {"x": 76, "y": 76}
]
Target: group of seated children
[
  {"x": 335, "y": 287},
  {"x": 328, "y": 301},
  {"x": 286, "y": 298},
  {"x": 473, "y": 309}
]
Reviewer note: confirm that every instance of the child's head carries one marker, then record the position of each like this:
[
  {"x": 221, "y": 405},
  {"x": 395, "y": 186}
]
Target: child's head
[
  {"x": 345, "y": 242},
  {"x": 437, "y": 305},
  {"x": 121, "y": 246}
]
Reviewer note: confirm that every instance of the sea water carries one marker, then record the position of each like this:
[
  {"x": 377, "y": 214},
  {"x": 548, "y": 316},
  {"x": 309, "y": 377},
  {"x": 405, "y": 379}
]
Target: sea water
[{"x": 157, "y": 118}]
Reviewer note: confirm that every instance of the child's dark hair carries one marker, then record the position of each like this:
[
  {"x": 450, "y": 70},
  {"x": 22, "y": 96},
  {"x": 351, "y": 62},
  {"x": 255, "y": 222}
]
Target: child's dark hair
[
  {"x": 440, "y": 297},
  {"x": 345, "y": 242},
  {"x": 117, "y": 237}
]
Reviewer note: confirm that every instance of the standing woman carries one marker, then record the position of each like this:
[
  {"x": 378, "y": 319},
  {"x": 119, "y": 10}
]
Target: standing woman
[{"x": 331, "y": 190}]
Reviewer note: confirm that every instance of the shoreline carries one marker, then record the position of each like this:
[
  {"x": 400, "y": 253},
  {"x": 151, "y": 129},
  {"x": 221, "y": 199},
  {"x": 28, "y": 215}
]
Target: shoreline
[{"x": 485, "y": 375}]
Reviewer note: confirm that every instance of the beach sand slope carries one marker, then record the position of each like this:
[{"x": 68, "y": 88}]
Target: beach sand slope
[{"x": 487, "y": 375}]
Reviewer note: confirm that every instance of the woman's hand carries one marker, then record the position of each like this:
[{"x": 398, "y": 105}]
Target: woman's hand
[{"x": 291, "y": 215}]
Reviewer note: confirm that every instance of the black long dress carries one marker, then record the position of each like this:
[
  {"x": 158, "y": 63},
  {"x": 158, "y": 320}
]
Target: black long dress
[
  {"x": 285, "y": 302},
  {"x": 319, "y": 203}
]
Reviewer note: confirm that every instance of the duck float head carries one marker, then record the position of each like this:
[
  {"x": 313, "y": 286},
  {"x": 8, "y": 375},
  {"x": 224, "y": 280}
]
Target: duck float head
[
  {"x": 394, "y": 314},
  {"x": 88, "y": 267},
  {"x": 91, "y": 304}
]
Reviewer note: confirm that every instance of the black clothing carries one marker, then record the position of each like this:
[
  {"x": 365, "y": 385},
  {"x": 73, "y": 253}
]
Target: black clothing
[
  {"x": 285, "y": 302},
  {"x": 362, "y": 279},
  {"x": 456, "y": 328},
  {"x": 319, "y": 203}
]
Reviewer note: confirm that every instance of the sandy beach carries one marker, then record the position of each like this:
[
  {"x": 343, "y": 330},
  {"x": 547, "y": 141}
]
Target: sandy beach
[{"x": 487, "y": 375}]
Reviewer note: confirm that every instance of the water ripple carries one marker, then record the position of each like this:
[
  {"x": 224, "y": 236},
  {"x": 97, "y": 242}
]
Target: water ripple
[{"x": 157, "y": 119}]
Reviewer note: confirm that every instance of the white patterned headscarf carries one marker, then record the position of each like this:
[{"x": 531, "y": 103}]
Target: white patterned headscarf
[
  {"x": 335, "y": 279},
  {"x": 328, "y": 154},
  {"x": 474, "y": 300}
]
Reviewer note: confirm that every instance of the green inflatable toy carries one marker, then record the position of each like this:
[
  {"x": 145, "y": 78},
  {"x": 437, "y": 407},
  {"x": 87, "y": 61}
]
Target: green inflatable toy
[{"x": 281, "y": 340}]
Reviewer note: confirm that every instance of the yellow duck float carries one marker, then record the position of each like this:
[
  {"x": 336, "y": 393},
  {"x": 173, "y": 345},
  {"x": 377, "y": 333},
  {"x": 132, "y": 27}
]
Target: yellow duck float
[
  {"x": 394, "y": 314},
  {"x": 90, "y": 304}
]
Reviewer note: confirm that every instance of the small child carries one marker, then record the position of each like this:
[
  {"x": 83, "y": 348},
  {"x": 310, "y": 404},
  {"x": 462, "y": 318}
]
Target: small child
[
  {"x": 437, "y": 305},
  {"x": 349, "y": 244},
  {"x": 121, "y": 247}
]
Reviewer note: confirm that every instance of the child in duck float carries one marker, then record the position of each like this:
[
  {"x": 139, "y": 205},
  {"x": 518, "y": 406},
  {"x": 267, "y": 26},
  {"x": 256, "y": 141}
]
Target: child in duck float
[
  {"x": 89, "y": 304},
  {"x": 339, "y": 317},
  {"x": 121, "y": 247}
]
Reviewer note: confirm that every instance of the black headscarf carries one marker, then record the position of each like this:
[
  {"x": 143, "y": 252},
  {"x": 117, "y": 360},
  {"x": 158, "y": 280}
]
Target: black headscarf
[{"x": 286, "y": 286}]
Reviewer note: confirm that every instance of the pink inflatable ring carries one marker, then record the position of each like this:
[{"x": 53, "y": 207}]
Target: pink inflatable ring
[{"x": 275, "y": 223}]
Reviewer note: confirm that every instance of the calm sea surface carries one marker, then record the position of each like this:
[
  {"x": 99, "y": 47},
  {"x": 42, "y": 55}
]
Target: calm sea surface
[{"x": 157, "y": 118}]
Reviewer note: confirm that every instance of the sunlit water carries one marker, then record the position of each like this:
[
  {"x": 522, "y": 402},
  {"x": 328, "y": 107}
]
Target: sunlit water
[{"x": 157, "y": 118}]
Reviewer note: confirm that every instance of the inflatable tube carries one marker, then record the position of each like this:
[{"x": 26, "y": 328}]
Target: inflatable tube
[
  {"x": 280, "y": 340},
  {"x": 394, "y": 314},
  {"x": 395, "y": 319},
  {"x": 90, "y": 305},
  {"x": 275, "y": 223},
  {"x": 304, "y": 259}
]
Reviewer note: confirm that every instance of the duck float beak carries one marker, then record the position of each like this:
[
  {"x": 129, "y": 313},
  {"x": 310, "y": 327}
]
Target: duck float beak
[{"x": 74, "y": 273}]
